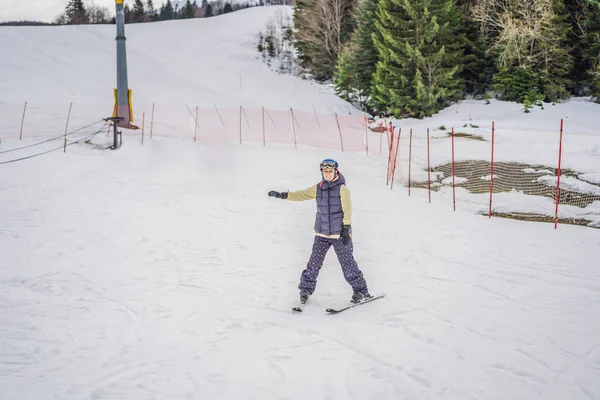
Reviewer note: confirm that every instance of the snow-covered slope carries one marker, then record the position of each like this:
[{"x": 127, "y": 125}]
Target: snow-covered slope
[
  {"x": 202, "y": 61},
  {"x": 163, "y": 270}
]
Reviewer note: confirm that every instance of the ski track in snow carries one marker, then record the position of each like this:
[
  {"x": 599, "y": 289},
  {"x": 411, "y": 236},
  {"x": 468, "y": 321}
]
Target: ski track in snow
[{"x": 165, "y": 271}]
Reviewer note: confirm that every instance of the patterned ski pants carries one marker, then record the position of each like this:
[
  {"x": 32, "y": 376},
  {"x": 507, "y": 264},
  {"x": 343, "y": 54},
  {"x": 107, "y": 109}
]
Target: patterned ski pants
[{"x": 321, "y": 245}]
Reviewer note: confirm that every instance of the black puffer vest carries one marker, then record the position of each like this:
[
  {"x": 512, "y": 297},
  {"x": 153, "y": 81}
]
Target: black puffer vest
[{"x": 330, "y": 215}]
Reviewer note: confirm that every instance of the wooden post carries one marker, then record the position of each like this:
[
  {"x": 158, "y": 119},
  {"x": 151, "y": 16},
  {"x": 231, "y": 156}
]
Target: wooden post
[
  {"x": 395, "y": 156},
  {"x": 316, "y": 115},
  {"x": 389, "y": 130},
  {"x": 66, "y": 127},
  {"x": 152, "y": 121},
  {"x": 366, "y": 135},
  {"x": 246, "y": 116},
  {"x": 196, "y": 124},
  {"x": 263, "y": 126},
  {"x": 388, "y": 136},
  {"x": 22, "y": 122},
  {"x": 269, "y": 115},
  {"x": 294, "y": 129},
  {"x": 143, "y": 124},
  {"x": 340, "y": 131},
  {"x": 219, "y": 114}
]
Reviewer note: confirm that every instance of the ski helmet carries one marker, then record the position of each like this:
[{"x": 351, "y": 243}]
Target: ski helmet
[{"x": 329, "y": 163}]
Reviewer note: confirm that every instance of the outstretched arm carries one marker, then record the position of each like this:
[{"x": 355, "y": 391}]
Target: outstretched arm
[
  {"x": 299, "y": 195},
  {"x": 309, "y": 193}
]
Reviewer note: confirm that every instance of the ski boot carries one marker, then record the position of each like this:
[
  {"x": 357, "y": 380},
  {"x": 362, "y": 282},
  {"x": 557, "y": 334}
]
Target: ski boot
[{"x": 359, "y": 297}]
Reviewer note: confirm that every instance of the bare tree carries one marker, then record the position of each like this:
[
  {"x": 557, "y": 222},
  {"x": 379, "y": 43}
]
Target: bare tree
[
  {"x": 61, "y": 19},
  {"x": 217, "y": 6},
  {"x": 323, "y": 29},
  {"x": 523, "y": 32},
  {"x": 98, "y": 14}
]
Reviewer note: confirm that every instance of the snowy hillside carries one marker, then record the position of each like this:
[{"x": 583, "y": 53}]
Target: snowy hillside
[
  {"x": 163, "y": 270},
  {"x": 198, "y": 62}
]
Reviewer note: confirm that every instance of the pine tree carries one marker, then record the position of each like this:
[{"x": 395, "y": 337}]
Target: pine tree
[
  {"x": 366, "y": 53},
  {"x": 584, "y": 38},
  {"x": 187, "y": 11},
  {"x": 209, "y": 11},
  {"x": 345, "y": 78},
  {"x": 139, "y": 13},
  {"x": 593, "y": 50},
  {"x": 129, "y": 16},
  {"x": 577, "y": 11},
  {"x": 356, "y": 66},
  {"x": 75, "y": 12},
  {"x": 151, "y": 10},
  {"x": 419, "y": 57},
  {"x": 556, "y": 70},
  {"x": 594, "y": 79},
  {"x": 478, "y": 65},
  {"x": 168, "y": 12},
  {"x": 227, "y": 8},
  {"x": 516, "y": 83}
]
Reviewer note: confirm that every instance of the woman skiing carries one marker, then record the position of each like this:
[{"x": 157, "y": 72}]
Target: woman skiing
[{"x": 332, "y": 227}]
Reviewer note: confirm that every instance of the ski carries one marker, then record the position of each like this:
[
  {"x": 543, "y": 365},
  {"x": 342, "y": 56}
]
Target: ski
[
  {"x": 299, "y": 307},
  {"x": 351, "y": 305}
]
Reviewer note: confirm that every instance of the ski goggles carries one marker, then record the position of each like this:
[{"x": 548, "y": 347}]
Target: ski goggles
[{"x": 328, "y": 165}]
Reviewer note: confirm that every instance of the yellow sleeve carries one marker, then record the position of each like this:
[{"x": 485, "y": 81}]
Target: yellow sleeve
[
  {"x": 309, "y": 193},
  {"x": 346, "y": 205}
]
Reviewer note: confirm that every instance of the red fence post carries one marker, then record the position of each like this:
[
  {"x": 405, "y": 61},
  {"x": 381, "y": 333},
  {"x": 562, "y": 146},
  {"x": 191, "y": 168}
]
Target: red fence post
[
  {"x": 453, "y": 186},
  {"x": 428, "y": 167},
  {"x": 558, "y": 181},
  {"x": 387, "y": 131},
  {"x": 491, "y": 173},
  {"x": 409, "y": 160}
]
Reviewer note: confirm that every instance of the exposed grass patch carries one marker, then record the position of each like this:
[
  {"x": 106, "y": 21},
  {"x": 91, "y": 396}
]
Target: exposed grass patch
[
  {"x": 466, "y": 135},
  {"x": 542, "y": 218},
  {"x": 509, "y": 176}
]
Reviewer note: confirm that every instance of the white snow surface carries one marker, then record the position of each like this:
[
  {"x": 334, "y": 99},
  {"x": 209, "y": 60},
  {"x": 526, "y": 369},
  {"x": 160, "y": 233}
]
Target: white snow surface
[
  {"x": 457, "y": 180},
  {"x": 591, "y": 177},
  {"x": 534, "y": 171},
  {"x": 163, "y": 270},
  {"x": 570, "y": 183}
]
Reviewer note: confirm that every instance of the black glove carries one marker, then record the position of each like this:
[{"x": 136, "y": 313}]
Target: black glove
[
  {"x": 279, "y": 195},
  {"x": 345, "y": 235}
]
